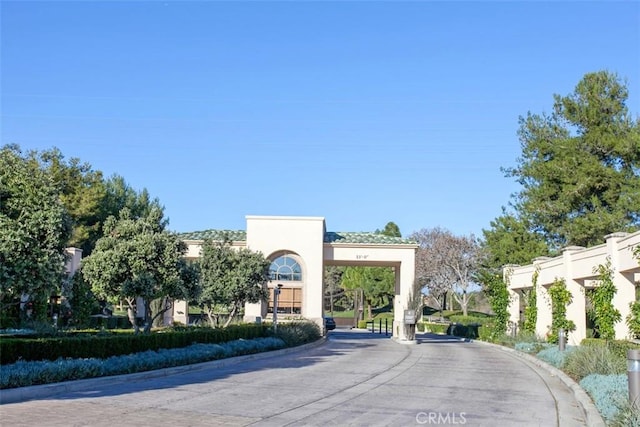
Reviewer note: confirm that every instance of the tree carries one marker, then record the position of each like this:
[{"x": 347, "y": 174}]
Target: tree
[
  {"x": 119, "y": 195},
  {"x": 332, "y": 289},
  {"x": 391, "y": 229},
  {"x": 431, "y": 270},
  {"x": 138, "y": 258},
  {"x": 510, "y": 241},
  {"x": 81, "y": 191},
  {"x": 34, "y": 230},
  {"x": 231, "y": 277},
  {"x": 375, "y": 286},
  {"x": 580, "y": 165},
  {"x": 462, "y": 257}
]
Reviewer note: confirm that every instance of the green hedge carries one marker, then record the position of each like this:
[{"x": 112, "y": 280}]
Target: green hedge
[
  {"x": 469, "y": 320},
  {"x": 465, "y": 331},
  {"x": 435, "y": 328},
  {"x": 107, "y": 345}
]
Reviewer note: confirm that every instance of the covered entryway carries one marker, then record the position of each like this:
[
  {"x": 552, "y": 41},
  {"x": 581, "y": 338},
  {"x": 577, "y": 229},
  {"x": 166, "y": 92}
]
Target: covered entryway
[{"x": 300, "y": 248}]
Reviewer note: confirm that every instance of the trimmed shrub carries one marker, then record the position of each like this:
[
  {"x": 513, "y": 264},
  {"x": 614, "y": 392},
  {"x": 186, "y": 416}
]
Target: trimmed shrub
[
  {"x": 115, "y": 344},
  {"x": 464, "y": 331},
  {"x": 23, "y": 373},
  {"x": 469, "y": 320},
  {"x": 593, "y": 359},
  {"x": 298, "y": 333},
  {"x": 555, "y": 357},
  {"x": 531, "y": 347},
  {"x": 607, "y": 392},
  {"x": 436, "y": 328}
]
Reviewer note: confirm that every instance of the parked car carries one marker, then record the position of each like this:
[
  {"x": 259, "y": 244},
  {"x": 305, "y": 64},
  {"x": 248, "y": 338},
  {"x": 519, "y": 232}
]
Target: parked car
[{"x": 329, "y": 323}]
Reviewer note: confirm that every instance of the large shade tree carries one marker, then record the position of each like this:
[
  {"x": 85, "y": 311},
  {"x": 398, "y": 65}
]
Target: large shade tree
[
  {"x": 138, "y": 259},
  {"x": 231, "y": 278},
  {"x": 34, "y": 230},
  {"x": 580, "y": 165},
  {"x": 81, "y": 191}
]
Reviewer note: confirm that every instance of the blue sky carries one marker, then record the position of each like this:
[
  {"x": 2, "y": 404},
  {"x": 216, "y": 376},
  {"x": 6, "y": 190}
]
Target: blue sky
[{"x": 361, "y": 112}]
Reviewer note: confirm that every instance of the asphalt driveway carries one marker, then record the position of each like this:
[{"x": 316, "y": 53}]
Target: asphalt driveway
[{"x": 352, "y": 379}]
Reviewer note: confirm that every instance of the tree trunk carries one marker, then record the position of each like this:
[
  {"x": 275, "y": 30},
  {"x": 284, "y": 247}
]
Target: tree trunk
[
  {"x": 147, "y": 316},
  {"x": 211, "y": 317},
  {"x": 131, "y": 314},
  {"x": 231, "y": 315},
  {"x": 165, "y": 305}
]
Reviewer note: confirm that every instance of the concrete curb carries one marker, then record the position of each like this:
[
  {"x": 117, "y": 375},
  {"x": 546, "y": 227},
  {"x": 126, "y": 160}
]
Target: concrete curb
[
  {"x": 594, "y": 419},
  {"x": 21, "y": 394}
]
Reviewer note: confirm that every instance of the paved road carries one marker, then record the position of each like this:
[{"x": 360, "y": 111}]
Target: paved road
[{"x": 356, "y": 379}]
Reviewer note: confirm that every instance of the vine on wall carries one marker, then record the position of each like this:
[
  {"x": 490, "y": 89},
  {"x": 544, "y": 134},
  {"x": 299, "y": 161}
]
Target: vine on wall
[
  {"x": 531, "y": 310},
  {"x": 604, "y": 313},
  {"x": 560, "y": 299},
  {"x": 633, "y": 319},
  {"x": 496, "y": 291}
]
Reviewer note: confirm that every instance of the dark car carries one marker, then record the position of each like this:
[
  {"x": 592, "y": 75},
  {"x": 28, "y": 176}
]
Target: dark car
[{"x": 329, "y": 323}]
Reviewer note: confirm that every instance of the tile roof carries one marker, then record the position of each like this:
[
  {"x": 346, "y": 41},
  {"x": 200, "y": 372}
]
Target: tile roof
[
  {"x": 329, "y": 237},
  {"x": 234, "y": 235},
  {"x": 364, "y": 238}
]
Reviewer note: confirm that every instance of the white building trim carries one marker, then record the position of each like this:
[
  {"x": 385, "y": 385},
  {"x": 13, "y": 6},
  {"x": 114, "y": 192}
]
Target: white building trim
[{"x": 577, "y": 266}]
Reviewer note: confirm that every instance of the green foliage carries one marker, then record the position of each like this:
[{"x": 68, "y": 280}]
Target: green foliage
[
  {"x": 531, "y": 309},
  {"x": 560, "y": 299},
  {"x": 137, "y": 257},
  {"x": 103, "y": 345},
  {"x": 605, "y": 315},
  {"x": 434, "y": 328},
  {"x": 82, "y": 302},
  {"x": 362, "y": 324},
  {"x": 377, "y": 283},
  {"x": 391, "y": 229},
  {"x": 471, "y": 320},
  {"x": 82, "y": 192},
  {"x": 496, "y": 291},
  {"x": 231, "y": 277},
  {"x": 34, "y": 230},
  {"x": 579, "y": 167},
  {"x": 593, "y": 359},
  {"x": 618, "y": 348},
  {"x": 465, "y": 331},
  {"x": 633, "y": 319},
  {"x": 298, "y": 333},
  {"x": 25, "y": 373},
  {"x": 627, "y": 414},
  {"x": 511, "y": 241}
]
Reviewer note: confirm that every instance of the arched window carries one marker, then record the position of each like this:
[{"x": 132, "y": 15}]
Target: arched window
[{"x": 285, "y": 267}]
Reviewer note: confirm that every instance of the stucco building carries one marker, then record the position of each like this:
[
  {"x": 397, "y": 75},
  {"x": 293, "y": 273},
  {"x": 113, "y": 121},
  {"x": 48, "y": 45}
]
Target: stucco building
[
  {"x": 577, "y": 266},
  {"x": 299, "y": 248}
]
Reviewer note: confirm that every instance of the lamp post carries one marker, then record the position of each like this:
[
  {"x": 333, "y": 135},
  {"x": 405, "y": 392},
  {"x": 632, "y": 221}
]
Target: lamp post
[
  {"x": 633, "y": 375},
  {"x": 276, "y": 293}
]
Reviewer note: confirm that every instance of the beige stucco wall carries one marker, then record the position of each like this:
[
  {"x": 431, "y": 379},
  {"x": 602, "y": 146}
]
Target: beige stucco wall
[
  {"x": 304, "y": 237},
  {"x": 577, "y": 266},
  {"x": 401, "y": 257}
]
